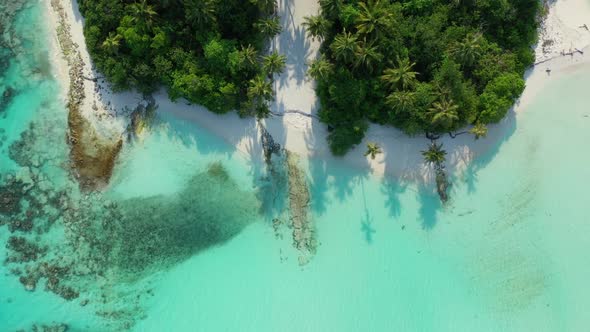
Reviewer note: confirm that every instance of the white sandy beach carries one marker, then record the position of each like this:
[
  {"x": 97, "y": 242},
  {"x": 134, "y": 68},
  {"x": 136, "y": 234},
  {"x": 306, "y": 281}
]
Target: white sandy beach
[
  {"x": 305, "y": 135},
  {"x": 565, "y": 28}
]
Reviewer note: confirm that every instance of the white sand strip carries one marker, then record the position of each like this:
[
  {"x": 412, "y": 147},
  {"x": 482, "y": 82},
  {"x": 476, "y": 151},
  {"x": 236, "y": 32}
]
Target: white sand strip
[{"x": 566, "y": 28}]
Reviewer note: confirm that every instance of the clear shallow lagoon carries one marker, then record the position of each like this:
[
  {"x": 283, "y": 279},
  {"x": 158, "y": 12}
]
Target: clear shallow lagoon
[{"x": 509, "y": 253}]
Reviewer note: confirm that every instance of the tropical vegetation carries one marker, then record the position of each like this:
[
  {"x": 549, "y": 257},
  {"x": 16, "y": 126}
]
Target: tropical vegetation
[
  {"x": 424, "y": 66},
  {"x": 207, "y": 51},
  {"x": 373, "y": 150}
]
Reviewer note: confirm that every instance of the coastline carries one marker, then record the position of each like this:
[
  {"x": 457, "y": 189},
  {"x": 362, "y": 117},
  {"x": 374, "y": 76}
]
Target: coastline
[
  {"x": 60, "y": 65},
  {"x": 295, "y": 96},
  {"x": 507, "y": 253},
  {"x": 562, "y": 29}
]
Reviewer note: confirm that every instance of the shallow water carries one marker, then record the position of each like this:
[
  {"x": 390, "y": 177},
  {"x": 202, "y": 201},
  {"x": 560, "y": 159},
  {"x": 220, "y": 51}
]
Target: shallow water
[{"x": 174, "y": 244}]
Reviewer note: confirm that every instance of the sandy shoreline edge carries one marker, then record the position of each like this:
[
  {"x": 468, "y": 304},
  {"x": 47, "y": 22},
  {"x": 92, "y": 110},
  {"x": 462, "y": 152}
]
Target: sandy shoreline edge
[{"x": 305, "y": 135}]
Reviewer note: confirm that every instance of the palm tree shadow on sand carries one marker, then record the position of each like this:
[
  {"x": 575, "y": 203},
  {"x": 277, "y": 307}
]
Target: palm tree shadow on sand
[
  {"x": 430, "y": 206},
  {"x": 295, "y": 45},
  {"x": 367, "y": 220},
  {"x": 499, "y": 134}
]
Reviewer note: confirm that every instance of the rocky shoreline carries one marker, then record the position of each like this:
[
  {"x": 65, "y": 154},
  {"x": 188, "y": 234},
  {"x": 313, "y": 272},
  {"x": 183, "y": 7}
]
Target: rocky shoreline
[{"x": 92, "y": 154}]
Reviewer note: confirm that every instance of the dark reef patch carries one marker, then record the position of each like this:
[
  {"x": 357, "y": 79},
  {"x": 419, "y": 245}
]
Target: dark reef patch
[
  {"x": 6, "y": 96},
  {"x": 23, "y": 250},
  {"x": 89, "y": 245},
  {"x": 93, "y": 156},
  {"x": 161, "y": 231},
  {"x": 10, "y": 195},
  {"x": 139, "y": 235},
  {"x": 53, "y": 327}
]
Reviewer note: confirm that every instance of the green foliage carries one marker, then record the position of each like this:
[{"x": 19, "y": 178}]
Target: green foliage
[
  {"x": 344, "y": 137},
  {"x": 269, "y": 27},
  {"x": 273, "y": 63},
  {"x": 373, "y": 150},
  {"x": 435, "y": 154},
  {"x": 498, "y": 97},
  {"x": 216, "y": 53},
  {"x": 320, "y": 68},
  {"x": 206, "y": 51},
  {"x": 401, "y": 77},
  {"x": 348, "y": 16},
  {"x": 443, "y": 114},
  {"x": 430, "y": 66},
  {"x": 345, "y": 94},
  {"x": 495, "y": 62},
  {"x": 367, "y": 56},
  {"x": 453, "y": 86},
  {"x": 469, "y": 50},
  {"x": 259, "y": 92},
  {"x": 479, "y": 130},
  {"x": 316, "y": 26},
  {"x": 200, "y": 13},
  {"x": 374, "y": 18},
  {"x": 344, "y": 47}
]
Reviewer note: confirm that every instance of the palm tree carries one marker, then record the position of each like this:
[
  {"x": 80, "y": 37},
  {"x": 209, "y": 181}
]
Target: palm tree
[
  {"x": 320, "y": 68},
  {"x": 373, "y": 18},
  {"x": 168, "y": 3},
  {"x": 111, "y": 44},
  {"x": 401, "y": 101},
  {"x": 468, "y": 51},
  {"x": 142, "y": 13},
  {"x": 367, "y": 56},
  {"x": 344, "y": 46},
  {"x": 479, "y": 130},
  {"x": 317, "y": 26},
  {"x": 200, "y": 13},
  {"x": 249, "y": 54},
  {"x": 269, "y": 27},
  {"x": 373, "y": 150},
  {"x": 401, "y": 77},
  {"x": 443, "y": 113},
  {"x": 331, "y": 8},
  {"x": 266, "y": 6},
  {"x": 259, "y": 90},
  {"x": 273, "y": 63},
  {"x": 435, "y": 155}
]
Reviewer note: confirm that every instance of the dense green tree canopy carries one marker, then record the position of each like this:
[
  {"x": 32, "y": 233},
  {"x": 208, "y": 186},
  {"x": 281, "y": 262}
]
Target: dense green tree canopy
[
  {"x": 425, "y": 66},
  {"x": 207, "y": 51}
]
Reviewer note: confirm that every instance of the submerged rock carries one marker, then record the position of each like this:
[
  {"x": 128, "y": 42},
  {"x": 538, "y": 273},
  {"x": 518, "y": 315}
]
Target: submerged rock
[
  {"x": 217, "y": 170},
  {"x": 54, "y": 327},
  {"x": 269, "y": 145},
  {"x": 299, "y": 198},
  {"x": 141, "y": 118},
  {"x": 93, "y": 156},
  {"x": 29, "y": 282},
  {"x": 10, "y": 195},
  {"x": 24, "y": 250},
  {"x": 442, "y": 185},
  {"x": 20, "y": 225},
  {"x": 6, "y": 97}
]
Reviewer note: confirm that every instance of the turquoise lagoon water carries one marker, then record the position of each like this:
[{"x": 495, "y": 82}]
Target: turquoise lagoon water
[{"x": 509, "y": 253}]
